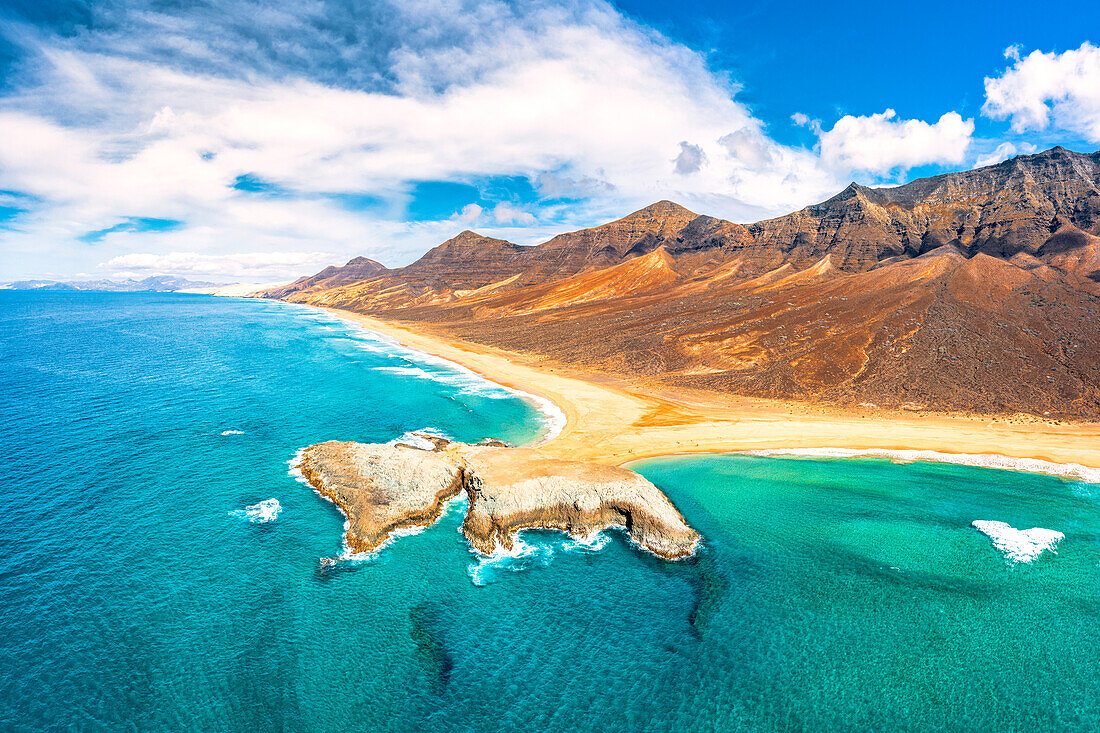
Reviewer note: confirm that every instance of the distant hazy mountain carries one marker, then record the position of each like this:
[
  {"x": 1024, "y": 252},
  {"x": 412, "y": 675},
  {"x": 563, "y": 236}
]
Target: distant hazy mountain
[{"x": 156, "y": 284}]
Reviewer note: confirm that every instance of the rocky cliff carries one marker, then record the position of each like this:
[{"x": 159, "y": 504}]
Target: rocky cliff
[{"x": 1033, "y": 205}]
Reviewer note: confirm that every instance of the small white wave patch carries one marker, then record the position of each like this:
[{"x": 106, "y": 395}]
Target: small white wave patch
[
  {"x": 980, "y": 460},
  {"x": 260, "y": 513},
  {"x": 1019, "y": 545},
  {"x": 554, "y": 418},
  {"x": 407, "y": 371},
  {"x": 232, "y": 432},
  {"x": 294, "y": 467},
  {"x": 416, "y": 438},
  {"x": 591, "y": 544}
]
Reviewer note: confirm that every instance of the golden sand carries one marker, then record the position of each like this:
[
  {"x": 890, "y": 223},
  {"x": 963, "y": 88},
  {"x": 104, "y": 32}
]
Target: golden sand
[{"x": 613, "y": 421}]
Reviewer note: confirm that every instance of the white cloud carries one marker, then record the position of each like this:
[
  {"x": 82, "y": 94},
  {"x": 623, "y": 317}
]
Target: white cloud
[
  {"x": 690, "y": 160},
  {"x": 469, "y": 215},
  {"x": 155, "y": 117},
  {"x": 880, "y": 143},
  {"x": 102, "y": 136},
  {"x": 275, "y": 265},
  {"x": 803, "y": 120},
  {"x": 1002, "y": 152},
  {"x": 1043, "y": 90},
  {"x": 505, "y": 213},
  {"x": 749, "y": 148}
]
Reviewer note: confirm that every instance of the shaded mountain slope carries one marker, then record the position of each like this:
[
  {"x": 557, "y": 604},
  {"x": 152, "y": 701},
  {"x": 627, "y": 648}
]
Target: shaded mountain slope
[{"x": 1026, "y": 204}]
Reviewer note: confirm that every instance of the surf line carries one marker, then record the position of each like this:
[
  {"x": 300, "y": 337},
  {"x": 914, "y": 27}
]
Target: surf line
[{"x": 553, "y": 417}]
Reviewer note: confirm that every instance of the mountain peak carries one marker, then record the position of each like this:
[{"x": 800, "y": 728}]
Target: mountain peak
[
  {"x": 852, "y": 191},
  {"x": 662, "y": 209},
  {"x": 364, "y": 262}
]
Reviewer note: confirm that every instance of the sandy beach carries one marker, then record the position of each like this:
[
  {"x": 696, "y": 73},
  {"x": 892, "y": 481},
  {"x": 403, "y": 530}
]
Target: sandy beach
[{"x": 612, "y": 421}]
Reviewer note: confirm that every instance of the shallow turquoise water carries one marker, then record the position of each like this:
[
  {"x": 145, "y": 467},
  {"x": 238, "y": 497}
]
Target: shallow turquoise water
[{"x": 837, "y": 594}]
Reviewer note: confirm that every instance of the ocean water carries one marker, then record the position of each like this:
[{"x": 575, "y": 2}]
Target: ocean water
[{"x": 159, "y": 567}]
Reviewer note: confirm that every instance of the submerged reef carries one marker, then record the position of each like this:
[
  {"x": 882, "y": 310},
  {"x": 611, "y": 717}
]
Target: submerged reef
[{"x": 385, "y": 488}]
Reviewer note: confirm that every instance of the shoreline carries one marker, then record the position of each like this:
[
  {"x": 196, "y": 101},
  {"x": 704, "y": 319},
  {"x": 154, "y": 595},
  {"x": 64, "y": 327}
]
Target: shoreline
[
  {"x": 555, "y": 418},
  {"x": 611, "y": 421}
]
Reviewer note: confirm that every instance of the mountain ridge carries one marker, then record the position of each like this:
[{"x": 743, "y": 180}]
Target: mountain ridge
[
  {"x": 971, "y": 291},
  {"x": 153, "y": 283}
]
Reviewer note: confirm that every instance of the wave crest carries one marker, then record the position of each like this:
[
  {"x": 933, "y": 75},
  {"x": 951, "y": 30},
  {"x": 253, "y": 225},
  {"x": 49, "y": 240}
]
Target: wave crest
[
  {"x": 1019, "y": 545},
  {"x": 980, "y": 460},
  {"x": 262, "y": 512}
]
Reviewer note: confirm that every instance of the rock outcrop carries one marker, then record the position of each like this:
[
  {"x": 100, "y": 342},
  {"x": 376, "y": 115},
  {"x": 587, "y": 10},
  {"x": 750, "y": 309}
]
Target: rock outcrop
[
  {"x": 382, "y": 488},
  {"x": 517, "y": 488}
]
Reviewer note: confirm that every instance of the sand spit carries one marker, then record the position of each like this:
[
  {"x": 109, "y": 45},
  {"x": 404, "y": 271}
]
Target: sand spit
[{"x": 385, "y": 488}]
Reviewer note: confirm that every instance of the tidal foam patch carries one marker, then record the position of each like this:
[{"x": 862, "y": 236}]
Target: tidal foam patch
[
  {"x": 1076, "y": 471},
  {"x": 261, "y": 513},
  {"x": 1019, "y": 545},
  {"x": 522, "y": 556}
]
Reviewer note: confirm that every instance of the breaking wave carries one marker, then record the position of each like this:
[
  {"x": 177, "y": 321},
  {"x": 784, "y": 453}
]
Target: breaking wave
[
  {"x": 523, "y": 555},
  {"x": 530, "y": 550},
  {"x": 591, "y": 544},
  {"x": 981, "y": 460},
  {"x": 1019, "y": 545},
  {"x": 232, "y": 432},
  {"x": 260, "y": 513},
  {"x": 422, "y": 365},
  {"x": 416, "y": 438}
]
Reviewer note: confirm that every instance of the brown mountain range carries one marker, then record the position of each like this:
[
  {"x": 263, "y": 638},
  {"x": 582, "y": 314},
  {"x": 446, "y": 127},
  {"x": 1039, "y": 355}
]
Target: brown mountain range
[{"x": 972, "y": 291}]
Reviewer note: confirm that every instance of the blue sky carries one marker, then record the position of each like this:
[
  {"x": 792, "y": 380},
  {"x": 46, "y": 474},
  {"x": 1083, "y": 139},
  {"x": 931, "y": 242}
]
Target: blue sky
[{"x": 254, "y": 141}]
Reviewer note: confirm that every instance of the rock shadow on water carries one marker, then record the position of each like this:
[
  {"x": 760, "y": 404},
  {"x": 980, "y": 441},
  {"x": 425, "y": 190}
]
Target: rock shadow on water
[
  {"x": 847, "y": 561},
  {"x": 710, "y": 587},
  {"x": 430, "y": 650}
]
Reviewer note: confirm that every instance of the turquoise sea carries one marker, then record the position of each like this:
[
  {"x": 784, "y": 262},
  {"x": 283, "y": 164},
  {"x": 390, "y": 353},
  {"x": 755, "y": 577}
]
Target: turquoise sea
[{"x": 138, "y": 592}]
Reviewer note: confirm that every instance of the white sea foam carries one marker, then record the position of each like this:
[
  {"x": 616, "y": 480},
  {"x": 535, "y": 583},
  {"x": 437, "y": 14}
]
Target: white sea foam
[
  {"x": 530, "y": 553},
  {"x": 591, "y": 544},
  {"x": 422, "y": 365},
  {"x": 261, "y": 513},
  {"x": 408, "y": 371},
  {"x": 553, "y": 417},
  {"x": 522, "y": 556},
  {"x": 232, "y": 432},
  {"x": 1019, "y": 545},
  {"x": 416, "y": 438},
  {"x": 295, "y": 467},
  {"x": 983, "y": 460}
]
